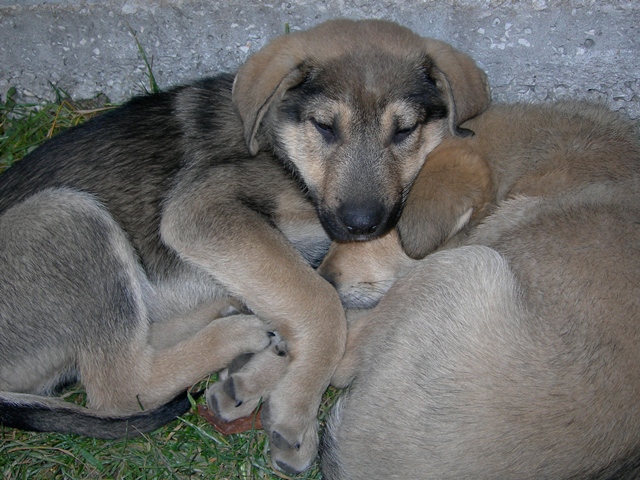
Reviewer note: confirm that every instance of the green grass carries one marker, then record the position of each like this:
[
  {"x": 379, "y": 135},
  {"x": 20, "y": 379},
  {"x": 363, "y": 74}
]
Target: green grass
[
  {"x": 24, "y": 126},
  {"x": 186, "y": 448}
]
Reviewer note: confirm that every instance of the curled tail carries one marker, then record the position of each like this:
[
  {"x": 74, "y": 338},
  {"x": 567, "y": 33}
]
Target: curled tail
[{"x": 45, "y": 414}]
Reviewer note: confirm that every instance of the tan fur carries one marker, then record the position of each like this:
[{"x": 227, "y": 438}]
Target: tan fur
[
  {"x": 511, "y": 352},
  {"x": 364, "y": 271}
]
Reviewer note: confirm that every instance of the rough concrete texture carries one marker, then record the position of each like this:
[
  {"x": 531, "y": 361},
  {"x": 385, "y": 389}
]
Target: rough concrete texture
[{"x": 533, "y": 50}]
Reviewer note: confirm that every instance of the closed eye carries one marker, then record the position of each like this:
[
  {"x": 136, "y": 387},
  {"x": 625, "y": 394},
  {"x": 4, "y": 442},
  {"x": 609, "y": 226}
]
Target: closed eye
[
  {"x": 403, "y": 133},
  {"x": 327, "y": 131}
]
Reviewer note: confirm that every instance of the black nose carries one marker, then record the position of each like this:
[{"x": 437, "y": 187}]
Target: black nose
[{"x": 362, "y": 219}]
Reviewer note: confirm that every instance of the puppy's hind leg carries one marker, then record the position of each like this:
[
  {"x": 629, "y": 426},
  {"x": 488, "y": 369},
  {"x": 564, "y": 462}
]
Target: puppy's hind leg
[
  {"x": 68, "y": 306},
  {"x": 72, "y": 299}
]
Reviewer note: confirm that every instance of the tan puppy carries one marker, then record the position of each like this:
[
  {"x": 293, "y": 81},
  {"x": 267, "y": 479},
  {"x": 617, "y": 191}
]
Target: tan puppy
[{"x": 512, "y": 351}]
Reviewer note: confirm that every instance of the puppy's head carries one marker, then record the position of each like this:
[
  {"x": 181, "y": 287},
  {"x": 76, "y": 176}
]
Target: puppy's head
[{"x": 354, "y": 107}]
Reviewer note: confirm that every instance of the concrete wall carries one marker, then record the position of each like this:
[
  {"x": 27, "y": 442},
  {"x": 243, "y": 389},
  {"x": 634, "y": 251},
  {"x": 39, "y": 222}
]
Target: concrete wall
[{"x": 539, "y": 49}]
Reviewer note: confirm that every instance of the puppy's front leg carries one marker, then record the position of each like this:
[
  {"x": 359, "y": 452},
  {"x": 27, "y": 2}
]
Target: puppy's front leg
[
  {"x": 361, "y": 329},
  {"x": 255, "y": 262}
]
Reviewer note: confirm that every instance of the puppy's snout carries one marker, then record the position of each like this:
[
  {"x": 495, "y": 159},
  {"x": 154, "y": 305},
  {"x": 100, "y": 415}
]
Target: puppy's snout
[{"x": 362, "y": 219}]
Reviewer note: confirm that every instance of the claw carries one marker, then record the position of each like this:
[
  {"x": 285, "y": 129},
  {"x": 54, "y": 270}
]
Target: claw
[
  {"x": 229, "y": 388},
  {"x": 279, "y": 346},
  {"x": 287, "y": 469},
  {"x": 282, "y": 443},
  {"x": 239, "y": 362}
]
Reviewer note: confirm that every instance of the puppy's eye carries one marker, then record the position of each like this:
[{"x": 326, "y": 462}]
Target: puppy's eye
[
  {"x": 327, "y": 131},
  {"x": 402, "y": 133}
]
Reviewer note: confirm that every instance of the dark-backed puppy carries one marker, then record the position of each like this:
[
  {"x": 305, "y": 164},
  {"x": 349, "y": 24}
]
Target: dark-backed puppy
[
  {"x": 512, "y": 351},
  {"x": 122, "y": 238}
]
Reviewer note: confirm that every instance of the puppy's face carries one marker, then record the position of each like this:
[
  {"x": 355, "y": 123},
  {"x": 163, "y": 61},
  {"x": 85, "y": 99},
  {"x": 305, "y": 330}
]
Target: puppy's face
[
  {"x": 353, "y": 107},
  {"x": 356, "y": 130}
]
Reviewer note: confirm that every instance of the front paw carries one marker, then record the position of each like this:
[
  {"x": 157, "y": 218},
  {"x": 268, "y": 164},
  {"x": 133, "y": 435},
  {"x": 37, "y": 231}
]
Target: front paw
[
  {"x": 251, "y": 378},
  {"x": 245, "y": 333},
  {"x": 248, "y": 379},
  {"x": 293, "y": 439}
]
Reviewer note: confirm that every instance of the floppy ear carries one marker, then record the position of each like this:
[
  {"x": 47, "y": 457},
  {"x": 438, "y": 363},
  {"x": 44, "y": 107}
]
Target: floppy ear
[
  {"x": 453, "y": 190},
  {"x": 277, "y": 67},
  {"x": 464, "y": 85},
  {"x": 263, "y": 78}
]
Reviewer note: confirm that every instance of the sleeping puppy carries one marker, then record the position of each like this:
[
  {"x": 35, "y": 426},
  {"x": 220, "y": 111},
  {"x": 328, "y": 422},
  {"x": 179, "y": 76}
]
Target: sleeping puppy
[
  {"x": 122, "y": 239},
  {"x": 511, "y": 351}
]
